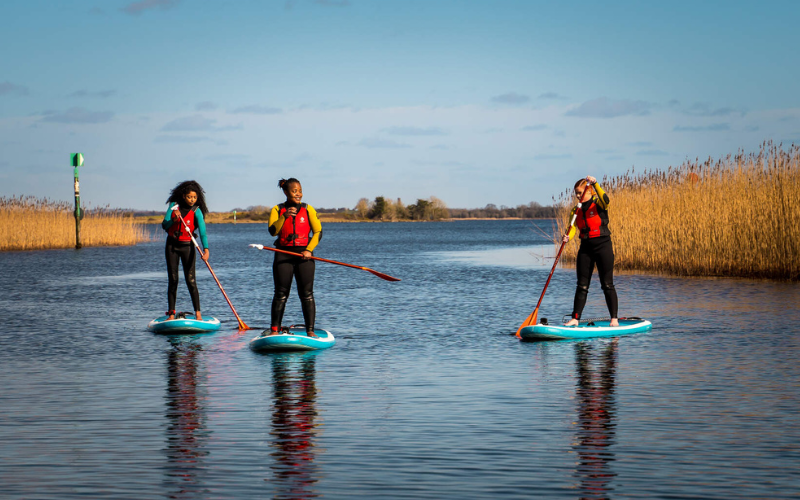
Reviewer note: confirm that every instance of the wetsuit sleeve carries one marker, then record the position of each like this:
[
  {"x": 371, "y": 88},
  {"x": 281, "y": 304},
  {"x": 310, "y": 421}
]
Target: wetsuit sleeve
[
  {"x": 200, "y": 222},
  {"x": 316, "y": 228},
  {"x": 167, "y": 222},
  {"x": 572, "y": 228},
  {"x": 275, "y": 221},
  {"x": 602, "y": 197}
]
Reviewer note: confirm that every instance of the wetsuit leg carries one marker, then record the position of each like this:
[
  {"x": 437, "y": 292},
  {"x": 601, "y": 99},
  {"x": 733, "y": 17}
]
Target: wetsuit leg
[
  {"x": 584, "y": 266},
  {"x": 304, "y": 277},
  {"x": 604, "y": 255},
  {"x": 188, "y": 254},
  {"x": 172, "y": 274},
  {"x": 282, "y": 271}
]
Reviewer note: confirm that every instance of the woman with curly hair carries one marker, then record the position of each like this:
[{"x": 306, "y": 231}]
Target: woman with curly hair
[{"x": 189, "y": 198}]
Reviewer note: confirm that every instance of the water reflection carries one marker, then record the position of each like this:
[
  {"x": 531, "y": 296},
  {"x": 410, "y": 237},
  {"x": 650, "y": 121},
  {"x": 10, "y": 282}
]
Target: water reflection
[
  {"x": 596, "y": 366},
  {"x": 293, "y": 425},
  {"x": 186, "y": 416}
]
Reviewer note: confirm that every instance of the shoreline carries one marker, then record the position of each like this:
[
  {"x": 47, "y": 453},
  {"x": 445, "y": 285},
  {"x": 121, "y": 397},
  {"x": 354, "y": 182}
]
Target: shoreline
[{"x": 212, "y": 219}]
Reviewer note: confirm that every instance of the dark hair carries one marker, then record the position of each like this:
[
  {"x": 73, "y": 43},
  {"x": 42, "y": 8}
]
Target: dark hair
[
  {"x": 179, "y": 191},
  {"x": 284, "y": 183}
]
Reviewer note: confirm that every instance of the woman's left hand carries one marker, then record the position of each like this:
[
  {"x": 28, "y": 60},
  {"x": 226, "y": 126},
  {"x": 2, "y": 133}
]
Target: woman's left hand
[
  {"x": 590, "y": 179},
  {"x": 306, "y": 255},
  {"x": 204, "y": 256}
]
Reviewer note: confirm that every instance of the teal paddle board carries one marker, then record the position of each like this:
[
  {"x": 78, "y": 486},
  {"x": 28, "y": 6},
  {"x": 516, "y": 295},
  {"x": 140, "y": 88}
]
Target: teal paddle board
[
  {"x": 585, "y": 330},
  {"x": 183, "y": 323},
  {"x": 293, "y": 338}
]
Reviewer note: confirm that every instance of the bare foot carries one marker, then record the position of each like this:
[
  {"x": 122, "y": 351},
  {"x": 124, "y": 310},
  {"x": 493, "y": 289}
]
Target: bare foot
[
  {"x": 198, "y": 316},
  {"x": 614, "y": 322},
  {"x": 312, "y": 335},
  {"x": 572, "y": 322},
  {"x": 170, "y": 317}
]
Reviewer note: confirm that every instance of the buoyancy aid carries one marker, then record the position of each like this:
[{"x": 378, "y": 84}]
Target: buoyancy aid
[
  {"x": 294, "y": 232},
  {"x": 592, "y": 220},
  {"x": 177, "y": 231}
]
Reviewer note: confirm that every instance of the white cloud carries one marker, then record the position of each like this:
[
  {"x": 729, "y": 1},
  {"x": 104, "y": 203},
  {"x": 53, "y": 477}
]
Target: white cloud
[
  {"x": 78, "y": 115},
  {"x": 136, "y": 8},
  {"x": 607, "y": 108},
  {"x": 511, "y": 98}
]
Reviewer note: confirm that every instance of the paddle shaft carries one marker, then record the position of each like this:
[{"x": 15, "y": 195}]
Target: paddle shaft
[
  {"x": 376, "y": 273},
  {"x": 242, "y": 325},
  {"x": 532, "y": 318}
]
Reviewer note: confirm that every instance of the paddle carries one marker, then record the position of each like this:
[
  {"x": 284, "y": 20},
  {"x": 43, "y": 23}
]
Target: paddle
[
  {"x": 531, "y": 320},
  {"x": 242, "y": 325},
  {"x": 376, "y": 273}
]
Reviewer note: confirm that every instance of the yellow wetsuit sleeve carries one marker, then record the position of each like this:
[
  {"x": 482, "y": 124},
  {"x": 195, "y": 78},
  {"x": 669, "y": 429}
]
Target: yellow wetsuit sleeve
[
  {"x": 601, "y": 198},
  {"x": 275, "y": 221},
  {"x": 316, "y": 228},
  {"x": 572, "y": 228}
]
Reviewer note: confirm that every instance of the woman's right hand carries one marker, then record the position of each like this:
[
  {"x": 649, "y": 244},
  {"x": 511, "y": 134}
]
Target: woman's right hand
[
  {"x": 565, "y": 239},
  {"x": 291, "y": 212}
]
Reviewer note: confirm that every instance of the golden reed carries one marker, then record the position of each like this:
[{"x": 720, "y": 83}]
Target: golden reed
[
  {"x": 28, "y": 223},
  {"x": 730, "y": 217}
]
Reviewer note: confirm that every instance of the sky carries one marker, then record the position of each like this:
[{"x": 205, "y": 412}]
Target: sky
[{"x": 473, "y": 102}]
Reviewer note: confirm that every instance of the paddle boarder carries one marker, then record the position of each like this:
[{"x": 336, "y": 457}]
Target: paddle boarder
[
  {"x": 298, "y": 230},
  {"x": 189, "y": 198},
  {"x": 596, "y": 249}
]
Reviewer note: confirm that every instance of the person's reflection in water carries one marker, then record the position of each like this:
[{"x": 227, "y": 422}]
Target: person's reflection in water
[
  {"x": 596, "y": 418},
  {"x": 185, "y": 412},
  {"x": 293, "y": 426}
]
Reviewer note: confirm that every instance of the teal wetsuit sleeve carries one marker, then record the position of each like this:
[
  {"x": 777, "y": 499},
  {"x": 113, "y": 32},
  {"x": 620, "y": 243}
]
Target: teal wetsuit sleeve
[
  {"x": 201, "y": 227},
  {"x": 167, "y": 222}
]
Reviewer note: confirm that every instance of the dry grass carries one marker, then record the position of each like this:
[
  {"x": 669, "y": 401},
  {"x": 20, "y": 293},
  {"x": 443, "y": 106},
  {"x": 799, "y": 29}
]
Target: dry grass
[
  {"x": 28, "y": 223},
  {"x": 730, "y": 217}
]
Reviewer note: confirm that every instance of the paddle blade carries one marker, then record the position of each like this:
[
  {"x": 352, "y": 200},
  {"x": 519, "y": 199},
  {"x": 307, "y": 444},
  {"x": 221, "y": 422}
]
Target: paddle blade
[
  {"x": 530, "y": 320},
  {"x": 381, "y": 275}
]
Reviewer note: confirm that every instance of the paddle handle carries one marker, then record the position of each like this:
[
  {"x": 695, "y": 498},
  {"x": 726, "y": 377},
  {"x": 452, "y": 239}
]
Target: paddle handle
[{"x": 242, "y": 325}]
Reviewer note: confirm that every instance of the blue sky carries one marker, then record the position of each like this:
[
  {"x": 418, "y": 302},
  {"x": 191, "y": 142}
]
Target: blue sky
[{"x": 473, "y": 102}]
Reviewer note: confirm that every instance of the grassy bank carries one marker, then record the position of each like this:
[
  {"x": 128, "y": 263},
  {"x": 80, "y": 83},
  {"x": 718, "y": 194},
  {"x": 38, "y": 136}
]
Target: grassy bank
[
  {"x": 28, "y": 223},
  {"x": 730, "y": 217}
]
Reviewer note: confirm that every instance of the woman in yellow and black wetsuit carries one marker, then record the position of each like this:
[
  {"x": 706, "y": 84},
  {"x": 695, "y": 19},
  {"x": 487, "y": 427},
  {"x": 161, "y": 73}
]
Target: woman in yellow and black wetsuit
[
  {"x": 596, "y": 248},
  {"x": 292, "y": 222}
]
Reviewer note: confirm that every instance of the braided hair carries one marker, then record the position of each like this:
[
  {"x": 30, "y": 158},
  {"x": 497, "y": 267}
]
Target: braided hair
[{"x": 179, "y": 191}]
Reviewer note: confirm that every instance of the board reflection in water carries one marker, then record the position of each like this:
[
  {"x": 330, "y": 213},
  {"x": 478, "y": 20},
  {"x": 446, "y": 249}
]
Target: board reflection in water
[
  {"x": 596, "y": 366},
  {"x": 294, "y": 427},
  {"x": 187, "y": 433}
]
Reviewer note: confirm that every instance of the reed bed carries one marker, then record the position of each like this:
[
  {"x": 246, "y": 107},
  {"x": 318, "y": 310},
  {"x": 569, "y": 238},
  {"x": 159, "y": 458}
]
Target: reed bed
[
  {"x": 729, "y": 217},
  {"x": 28, "y": 223}
]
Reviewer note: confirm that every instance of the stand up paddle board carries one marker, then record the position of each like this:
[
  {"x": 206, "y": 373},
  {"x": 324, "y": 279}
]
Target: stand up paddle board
[
  {"x": 585, "y": 330},
  {"x": 183, "y": 323},
  {"x": 293, "y": 338}
]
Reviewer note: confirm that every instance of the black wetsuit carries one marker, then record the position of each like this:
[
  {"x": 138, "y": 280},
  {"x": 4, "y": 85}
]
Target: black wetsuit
[
  {"x": 184, "y": 252},
  {"x": 283, "y": 268},
  {"x": 595, "y": 251}
]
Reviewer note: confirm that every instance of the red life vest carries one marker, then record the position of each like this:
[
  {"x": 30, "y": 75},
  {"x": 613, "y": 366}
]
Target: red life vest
[
  {"x": 294, "y": 232},
  {"x": 592, "y": 220},
  {"x": 177, "y": 231}
]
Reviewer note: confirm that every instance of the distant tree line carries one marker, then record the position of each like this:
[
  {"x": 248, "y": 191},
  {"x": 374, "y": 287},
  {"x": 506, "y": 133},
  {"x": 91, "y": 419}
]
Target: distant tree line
[
  {"x": 532, "y": 210},
  {"x": 388, "y": 209}
]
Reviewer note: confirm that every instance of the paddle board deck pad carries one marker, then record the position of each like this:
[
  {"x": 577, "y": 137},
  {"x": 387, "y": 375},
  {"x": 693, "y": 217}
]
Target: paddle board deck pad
[
  {"x": 587, "y": 330},
  {"x": 293, "y": 338},
  {"x": 183, "y": 323}
]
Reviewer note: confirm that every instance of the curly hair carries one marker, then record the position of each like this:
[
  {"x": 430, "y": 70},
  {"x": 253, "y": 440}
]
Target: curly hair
[{"x": 179, "y": 191}]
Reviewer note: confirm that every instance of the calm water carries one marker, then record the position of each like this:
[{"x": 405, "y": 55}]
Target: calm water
[{"x": 425, "y": 395}]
